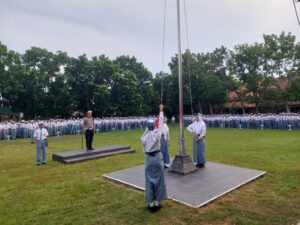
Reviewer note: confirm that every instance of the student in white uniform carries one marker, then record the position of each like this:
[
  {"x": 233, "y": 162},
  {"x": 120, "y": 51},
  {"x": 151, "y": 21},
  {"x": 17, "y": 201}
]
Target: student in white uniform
[
  {"x": 40, "y": 135},
  {"x": 198, "y": 129},
  {"x": 154, "y": 168}
]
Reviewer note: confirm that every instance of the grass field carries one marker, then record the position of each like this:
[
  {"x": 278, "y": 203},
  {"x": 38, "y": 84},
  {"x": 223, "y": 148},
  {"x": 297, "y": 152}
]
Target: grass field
[{"x": 78, "y": 194}]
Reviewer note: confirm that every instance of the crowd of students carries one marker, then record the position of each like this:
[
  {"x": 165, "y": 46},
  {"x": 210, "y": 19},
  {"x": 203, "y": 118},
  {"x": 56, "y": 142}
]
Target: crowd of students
[
  {"x": 283, "y": 121},
  {"x": 58, "y": 127}
]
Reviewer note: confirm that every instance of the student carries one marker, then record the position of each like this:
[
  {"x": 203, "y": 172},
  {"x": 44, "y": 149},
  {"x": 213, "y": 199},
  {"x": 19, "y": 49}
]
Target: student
[
  {"x": 154, "y": 168},
  {"x": 198, "y": 129},
  {"x": 40, "y": 135}
]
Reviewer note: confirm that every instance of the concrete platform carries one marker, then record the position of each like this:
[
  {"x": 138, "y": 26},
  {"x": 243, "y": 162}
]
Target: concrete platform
[
  {"x": 194, "y": 190},
  {"x": 84, "y": 155}
]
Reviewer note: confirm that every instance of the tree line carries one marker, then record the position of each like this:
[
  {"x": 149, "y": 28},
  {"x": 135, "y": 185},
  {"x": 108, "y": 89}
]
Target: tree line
[{"x": 41, "y": 83}]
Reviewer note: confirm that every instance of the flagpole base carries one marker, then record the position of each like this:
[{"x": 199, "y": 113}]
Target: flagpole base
[{"x": 183, "y": 165}]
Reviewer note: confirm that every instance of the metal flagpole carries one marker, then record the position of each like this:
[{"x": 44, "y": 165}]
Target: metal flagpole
[
  {"x": 182, "y": 163},
  {"x": 181, "y": 139}
]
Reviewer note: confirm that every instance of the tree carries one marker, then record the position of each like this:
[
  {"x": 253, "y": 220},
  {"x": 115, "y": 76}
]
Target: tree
[
  {"x": 144, "y": 80},
  {"x": 124, "y": 96},
  {"x": 47, "y": 86},
  {"x": 15, "y": 80},
  {"x": 40, "y": 80},
  {"x": 247, "y": 65},
  {"x": 281, "y": 61},
  {"x": 293, "y": 93},
  {"x": 81, "y": 83},
  {"x": 102, "y": 69},
  {"x": 215, "y": 91}
]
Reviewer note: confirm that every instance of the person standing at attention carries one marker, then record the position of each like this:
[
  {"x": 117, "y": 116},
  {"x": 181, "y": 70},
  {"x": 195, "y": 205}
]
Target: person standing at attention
[
  {"x": 164, "y": 144},
  {"x": 40, "y": 135},
  {"x": 173, "y": 120},
  {"x": 89, "y": 128},
  {"x": 198, "y": 129}
]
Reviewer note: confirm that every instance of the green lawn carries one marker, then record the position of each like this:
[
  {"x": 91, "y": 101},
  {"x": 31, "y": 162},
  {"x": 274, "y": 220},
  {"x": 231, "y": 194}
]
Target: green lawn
[{"x": 78, "y": 194}]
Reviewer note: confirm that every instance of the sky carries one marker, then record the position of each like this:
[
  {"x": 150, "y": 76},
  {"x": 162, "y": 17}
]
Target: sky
[{"x": 135, "y": 27}]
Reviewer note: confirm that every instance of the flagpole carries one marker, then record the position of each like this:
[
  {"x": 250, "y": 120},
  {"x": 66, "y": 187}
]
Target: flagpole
[
  {"x": 182, "y": 150},
  {"x": 182, "y": 163}
]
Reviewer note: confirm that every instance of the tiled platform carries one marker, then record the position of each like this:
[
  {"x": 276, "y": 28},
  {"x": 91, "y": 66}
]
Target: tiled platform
[
  {"x": 84, "y": 155},
  {"x": 195, "y": 189}
]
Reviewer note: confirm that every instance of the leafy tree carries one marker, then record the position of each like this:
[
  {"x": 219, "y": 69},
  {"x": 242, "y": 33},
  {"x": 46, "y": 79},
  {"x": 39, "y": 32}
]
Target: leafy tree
[
  {"x": 280, "y": 60},
  {"x": 293, "y": 90},
  {"x": 102, "y": 70},
  {"x": 215, "y": 91},
  {"x": 162, "y": 84},
  {"x": 15, "y": 81},
  {"x": 125, "y": 98},
  {"x": 81, "y": 83},
  {"x": 144, "y": 82},
  {"x": 248, "y": 67},
  {"x": 46, "y": 84}
]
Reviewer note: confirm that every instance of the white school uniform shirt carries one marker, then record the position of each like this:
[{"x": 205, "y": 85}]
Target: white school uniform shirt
[
  {"x": 165, "y": 131},
  {"x": 151, "y": 139},
  {"x": 40, "y": 134},
  {"x": 198, "y": 127}
]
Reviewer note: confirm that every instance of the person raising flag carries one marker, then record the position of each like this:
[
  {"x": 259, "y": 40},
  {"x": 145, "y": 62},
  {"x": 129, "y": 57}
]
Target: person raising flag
[{"x": 155, "y": 187}]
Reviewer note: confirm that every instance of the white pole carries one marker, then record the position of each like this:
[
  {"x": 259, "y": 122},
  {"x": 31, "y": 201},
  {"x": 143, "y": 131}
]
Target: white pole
[{"x": 181, "y": 138}]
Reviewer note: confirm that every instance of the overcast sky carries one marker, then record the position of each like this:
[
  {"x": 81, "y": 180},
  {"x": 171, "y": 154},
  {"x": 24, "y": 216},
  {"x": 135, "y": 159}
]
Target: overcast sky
[{"x": 135, "y": 27}]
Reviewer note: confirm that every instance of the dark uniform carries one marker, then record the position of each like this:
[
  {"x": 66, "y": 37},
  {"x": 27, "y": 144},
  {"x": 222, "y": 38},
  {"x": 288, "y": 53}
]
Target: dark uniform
[{"x": 89, "y": 127}]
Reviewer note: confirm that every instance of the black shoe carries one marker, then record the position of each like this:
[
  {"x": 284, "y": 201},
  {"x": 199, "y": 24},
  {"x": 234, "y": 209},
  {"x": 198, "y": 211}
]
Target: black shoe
[
  {"x": 44, "y": 163},
  {"x": 201, "y": 165},
  {"x": 166, "y": 167},
  {"x": 157, "y": 207},
  {"x": 151, "y": 209},
  {"x": 92, "y": 149},
  {"x": 38, "y": 164}
]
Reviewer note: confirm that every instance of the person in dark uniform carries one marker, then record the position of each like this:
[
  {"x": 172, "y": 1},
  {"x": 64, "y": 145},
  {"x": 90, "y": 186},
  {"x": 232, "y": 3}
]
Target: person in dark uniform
[{"x": 89, "y": 129}]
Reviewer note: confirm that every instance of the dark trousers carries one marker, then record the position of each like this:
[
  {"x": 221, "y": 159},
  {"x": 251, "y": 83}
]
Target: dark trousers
[{"x": 89, "y": 134}]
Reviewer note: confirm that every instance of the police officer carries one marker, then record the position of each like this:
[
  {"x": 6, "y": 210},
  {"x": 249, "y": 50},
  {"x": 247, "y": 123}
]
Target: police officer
[{"x": 89, "y": 128}]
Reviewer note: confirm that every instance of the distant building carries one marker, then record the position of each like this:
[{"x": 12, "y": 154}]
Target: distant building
[
  {"x": 235, "y": 102},
  {"x": 6, "y": 114}
]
